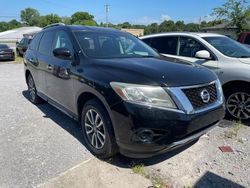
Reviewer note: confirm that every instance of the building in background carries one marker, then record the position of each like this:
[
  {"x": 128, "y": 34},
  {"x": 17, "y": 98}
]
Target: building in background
[
  {"x": 135, "y": 32},
  {"x": 223, "y": 29}
]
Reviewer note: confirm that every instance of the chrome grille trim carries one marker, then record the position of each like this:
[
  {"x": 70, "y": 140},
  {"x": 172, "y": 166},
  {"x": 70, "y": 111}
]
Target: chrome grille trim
[{"x": 184, "y": 103}]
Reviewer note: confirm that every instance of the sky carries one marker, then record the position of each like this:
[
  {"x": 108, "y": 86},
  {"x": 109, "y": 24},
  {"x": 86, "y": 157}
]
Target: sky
[{"x": 133, "y": 11}]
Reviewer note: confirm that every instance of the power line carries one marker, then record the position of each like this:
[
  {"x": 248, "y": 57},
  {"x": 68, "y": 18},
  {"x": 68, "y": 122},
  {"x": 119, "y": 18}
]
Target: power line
[{"x": 107, "y": 12}]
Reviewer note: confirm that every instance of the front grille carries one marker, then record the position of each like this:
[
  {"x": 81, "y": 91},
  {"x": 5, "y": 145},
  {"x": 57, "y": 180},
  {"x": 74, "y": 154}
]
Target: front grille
[{"x": 194, "y": 95}]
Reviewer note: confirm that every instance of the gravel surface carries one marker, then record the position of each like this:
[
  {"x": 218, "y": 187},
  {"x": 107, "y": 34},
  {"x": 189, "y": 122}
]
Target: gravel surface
[
  {"x": 36, "y": 142},
  {"x": 204, "y": 164}
]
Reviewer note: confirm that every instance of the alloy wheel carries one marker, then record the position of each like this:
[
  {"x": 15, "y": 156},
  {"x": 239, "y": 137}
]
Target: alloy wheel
[
  {"x": 31, "y": 87},
  {"x": 238, "y": 105},
  {"x": 94, "y": 128}
]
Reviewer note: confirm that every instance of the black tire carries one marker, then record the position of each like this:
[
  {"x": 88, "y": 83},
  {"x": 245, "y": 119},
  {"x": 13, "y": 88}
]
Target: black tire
[
  {"x": 34, "y": 98},
  {"x": 240, "y": 96},
  {"x": 109, "y": 147}
]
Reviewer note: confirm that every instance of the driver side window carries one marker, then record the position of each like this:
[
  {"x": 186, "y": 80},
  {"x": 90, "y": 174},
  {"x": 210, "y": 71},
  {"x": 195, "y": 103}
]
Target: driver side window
[
  {"x": 188, "y": 47},
  {"x": 62, "y": 40}
]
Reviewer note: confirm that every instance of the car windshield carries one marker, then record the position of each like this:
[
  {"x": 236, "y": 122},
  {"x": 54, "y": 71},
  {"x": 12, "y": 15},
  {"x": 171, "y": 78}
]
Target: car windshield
[
  {"x": 113, "y": 45},
  {"x": 229, "y": 47},
  {"x": 3, "y": 46}
]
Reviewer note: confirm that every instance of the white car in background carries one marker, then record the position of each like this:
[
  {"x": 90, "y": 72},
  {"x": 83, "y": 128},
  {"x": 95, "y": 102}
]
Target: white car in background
[{"x": 229, "y": 59}]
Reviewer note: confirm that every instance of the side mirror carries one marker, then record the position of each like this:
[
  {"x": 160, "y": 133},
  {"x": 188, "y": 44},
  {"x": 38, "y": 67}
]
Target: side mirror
[
  {"x": 17, "y": 43},
  {"x": 203, "y": 54},
  {"x": 62, "y": 53}
]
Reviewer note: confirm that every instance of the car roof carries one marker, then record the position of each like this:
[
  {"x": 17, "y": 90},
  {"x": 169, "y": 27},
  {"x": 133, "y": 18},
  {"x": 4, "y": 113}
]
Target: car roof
[
  {"x": 80, "y": 28},
  {"x": 183, "y": 34}
]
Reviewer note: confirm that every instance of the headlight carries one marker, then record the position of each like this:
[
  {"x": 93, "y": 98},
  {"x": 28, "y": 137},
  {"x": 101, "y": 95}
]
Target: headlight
[{"x": 142, "y": 94}]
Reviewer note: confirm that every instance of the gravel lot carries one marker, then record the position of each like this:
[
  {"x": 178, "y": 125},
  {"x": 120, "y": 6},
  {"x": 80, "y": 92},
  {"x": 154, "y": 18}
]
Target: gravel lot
[{"x": 38, "y": 143}]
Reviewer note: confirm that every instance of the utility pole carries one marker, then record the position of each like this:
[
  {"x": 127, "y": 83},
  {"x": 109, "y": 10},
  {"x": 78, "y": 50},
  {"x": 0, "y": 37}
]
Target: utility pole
[{"x": 107, "y": 12}]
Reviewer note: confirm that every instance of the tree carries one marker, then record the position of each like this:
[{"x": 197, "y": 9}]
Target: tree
[
  {"x": 152, "y": 28},
  {"x": 180, "y": 25},
  {"x": 66, "y": 20},
  {"x": 167, "y": 25},
  {"x": 14, "y": 24},
  {"x": 30, "y": 16},
  {"x": 83, "y": 18},
  {"x": 49, "y": 19},
  {"x": 233, "y": 11}
]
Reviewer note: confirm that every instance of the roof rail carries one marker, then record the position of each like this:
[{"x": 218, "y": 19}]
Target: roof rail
[{"x": 53, "y": 25}]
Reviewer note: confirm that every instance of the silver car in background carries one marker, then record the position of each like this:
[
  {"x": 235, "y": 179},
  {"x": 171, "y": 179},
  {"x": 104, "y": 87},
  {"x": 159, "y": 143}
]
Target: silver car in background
[{"x": 229, "y": 59}]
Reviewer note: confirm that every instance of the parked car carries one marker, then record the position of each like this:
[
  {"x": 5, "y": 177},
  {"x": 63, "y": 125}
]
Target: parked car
[
  {"x": 6, "y": 53},
  {"x": 244, "y": 38},
  {"x": 22, "y": 46},
  {"x": 125, "y": 96},
  {"x": 229, "y": 59}
]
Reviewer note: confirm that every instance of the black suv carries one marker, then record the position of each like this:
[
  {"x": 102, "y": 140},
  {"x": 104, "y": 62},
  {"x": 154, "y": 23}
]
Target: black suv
[
  {"x": 22, "y": 46},
  {"x": 126, "y": 97}
]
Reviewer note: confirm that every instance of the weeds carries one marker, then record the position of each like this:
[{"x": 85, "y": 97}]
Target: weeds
[{"x": 156, "y": 180}]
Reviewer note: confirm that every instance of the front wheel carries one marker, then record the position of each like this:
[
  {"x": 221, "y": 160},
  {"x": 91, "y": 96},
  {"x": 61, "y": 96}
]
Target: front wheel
[
  {"x": 238, "y": 104},
  {"x": 97, "y": 130}
]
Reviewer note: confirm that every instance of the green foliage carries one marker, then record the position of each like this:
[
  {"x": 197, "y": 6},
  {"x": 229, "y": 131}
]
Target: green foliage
[
  {"x": 9, "y": 25},
  {"x": 82, "y": 18},
  {"x": 235, "y": 12},
  {"x": 30, "y": 16},
  {"x": 49, "y": 19}
]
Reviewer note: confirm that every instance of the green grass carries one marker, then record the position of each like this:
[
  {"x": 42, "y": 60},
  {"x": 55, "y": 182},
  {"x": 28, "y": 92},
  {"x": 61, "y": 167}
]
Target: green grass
[
  {"x": 234, "y": 130},
  {"x": 18, "y": 59},
  {"x": 157, "y": 181}
]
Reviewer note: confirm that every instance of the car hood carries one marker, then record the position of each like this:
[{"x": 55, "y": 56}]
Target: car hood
[{"x": 155, "y": 71}]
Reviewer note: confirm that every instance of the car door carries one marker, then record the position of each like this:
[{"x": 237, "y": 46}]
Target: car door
[
  {"x": 187, "y": 49},
  {"x": 31, "y": 57},
  {"x": 58, "y": 76},
  {"x": 44, "y": 56}
]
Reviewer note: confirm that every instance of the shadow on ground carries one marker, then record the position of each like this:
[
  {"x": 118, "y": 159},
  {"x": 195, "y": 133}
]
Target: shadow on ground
[{"x": 211, "y": 180}]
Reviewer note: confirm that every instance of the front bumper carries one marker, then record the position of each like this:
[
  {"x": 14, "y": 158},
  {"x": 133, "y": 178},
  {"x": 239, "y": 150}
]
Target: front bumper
[
  {"x": 171, "y": 129},
  {"x": 8, "y": 56}
]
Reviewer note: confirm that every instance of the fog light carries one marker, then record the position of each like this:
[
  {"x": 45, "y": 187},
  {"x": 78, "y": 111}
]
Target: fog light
[{"x": 145, "y": 135}]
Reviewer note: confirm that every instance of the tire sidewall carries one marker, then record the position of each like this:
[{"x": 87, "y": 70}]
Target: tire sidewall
[
  {"x": 109, "y": 146},
  {"x": 228, "y": 93}
]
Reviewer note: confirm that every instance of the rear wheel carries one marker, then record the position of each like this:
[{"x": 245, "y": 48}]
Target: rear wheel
[
  {"x": 97, "y": 130},
  {"x": 34, "y": 98},
  {"x": 238, "y": 104}
]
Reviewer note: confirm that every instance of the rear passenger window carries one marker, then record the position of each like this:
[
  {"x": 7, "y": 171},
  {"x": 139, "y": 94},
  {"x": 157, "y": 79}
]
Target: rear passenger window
[
  {"x": 35, "y": 42},
  {"x": 46, "y": 43},
  {"x": 189, "y": 47},
  {"x": 165, "y": 45}
]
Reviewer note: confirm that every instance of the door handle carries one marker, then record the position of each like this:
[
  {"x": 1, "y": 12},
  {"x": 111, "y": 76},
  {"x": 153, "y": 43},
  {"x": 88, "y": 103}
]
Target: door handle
[{"x": 49, "y": 67}]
